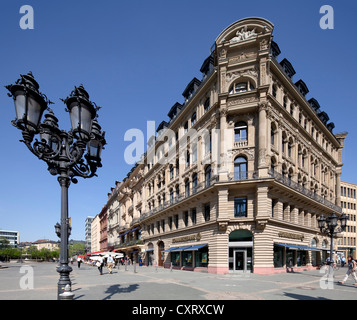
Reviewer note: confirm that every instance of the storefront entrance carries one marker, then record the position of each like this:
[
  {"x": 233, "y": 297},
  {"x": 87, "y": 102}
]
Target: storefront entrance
[
  {"x": 240, "y": 251},
  {"x": 242, "y": 260}
]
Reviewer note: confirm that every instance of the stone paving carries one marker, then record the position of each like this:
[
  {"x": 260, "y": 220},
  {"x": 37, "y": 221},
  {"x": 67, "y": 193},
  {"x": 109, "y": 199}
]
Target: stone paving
[{"x": 162, "y": 284}]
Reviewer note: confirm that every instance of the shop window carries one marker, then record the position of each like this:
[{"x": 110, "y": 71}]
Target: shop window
[
  {"x": 175, "y": 259},
  {"x": 278, "y": 256},
  {"x": 201, "y": 257},
  {"x": 187, "y": 258},
  {"x": 301, "y": 258}
]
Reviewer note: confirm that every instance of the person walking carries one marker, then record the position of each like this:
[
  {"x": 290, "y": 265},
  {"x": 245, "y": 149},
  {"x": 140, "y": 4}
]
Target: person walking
[
  {"x": 99, "y": 264},
  {"x": 79, "y": 260},
  {"x": 110, "y": 263},
  {"x": 351, "y": 270}
]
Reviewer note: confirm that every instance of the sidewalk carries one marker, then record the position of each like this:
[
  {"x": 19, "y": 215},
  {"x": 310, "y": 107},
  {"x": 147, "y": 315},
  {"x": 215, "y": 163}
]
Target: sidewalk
[{"x": 162, "y": 284}]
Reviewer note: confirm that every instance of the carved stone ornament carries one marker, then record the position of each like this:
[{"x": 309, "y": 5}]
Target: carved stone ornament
[
  {"x": 264, "y": 44},
  {"x": 222, "y": 225},
  {"x": 253, "y": 72},
  {"x": 241, "y": 101},
  {"x": 260, "y": 224},
  {"x": 244, "y": 34},
  {"x": 223, "y": 53},
  {"x": 243, "y": 57}
]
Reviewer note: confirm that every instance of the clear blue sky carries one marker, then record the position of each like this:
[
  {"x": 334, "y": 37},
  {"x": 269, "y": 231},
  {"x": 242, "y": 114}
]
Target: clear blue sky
[{"x": 135, "y": 58}]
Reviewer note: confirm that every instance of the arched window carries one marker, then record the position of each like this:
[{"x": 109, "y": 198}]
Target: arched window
[
  {"x": 290, "y": 148},
  {"x": 240, "y": 87},
  {"x": 272, "y": 164},
  {"x": 240, "y": 131},
  {"x": 272, "y": 133},
  {"x": 240, "y": 168},
  {"x": 187, "y": 159}
]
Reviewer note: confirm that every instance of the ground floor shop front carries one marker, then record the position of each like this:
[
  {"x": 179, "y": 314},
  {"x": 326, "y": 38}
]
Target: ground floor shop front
[{"x": 238, "y": 249}]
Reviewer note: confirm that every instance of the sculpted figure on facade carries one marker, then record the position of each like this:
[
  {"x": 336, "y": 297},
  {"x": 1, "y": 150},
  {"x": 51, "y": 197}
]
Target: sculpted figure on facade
[{"x": 244, "y": 34}]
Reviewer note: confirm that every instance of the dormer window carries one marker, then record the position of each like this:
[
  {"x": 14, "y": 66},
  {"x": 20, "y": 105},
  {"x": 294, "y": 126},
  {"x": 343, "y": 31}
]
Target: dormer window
[{"x": 241, "y": 87}]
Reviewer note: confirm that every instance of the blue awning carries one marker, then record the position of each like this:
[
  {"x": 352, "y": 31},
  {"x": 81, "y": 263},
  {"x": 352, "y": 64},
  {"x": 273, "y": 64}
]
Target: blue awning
[
  {"x": 180, "y": 248},
  {"x": 297, "y": 247},
  {"x": 167, "y": 250},
  {"x": 196, "y": 247},
  {"x": 126, "y": 232}
]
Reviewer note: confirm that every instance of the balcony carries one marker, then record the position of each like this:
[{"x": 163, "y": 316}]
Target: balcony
[{"x": 296, "y": 186}]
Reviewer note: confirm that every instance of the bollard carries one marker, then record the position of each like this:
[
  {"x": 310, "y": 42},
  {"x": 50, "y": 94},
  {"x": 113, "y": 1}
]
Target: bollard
[
  {"x": 135, "y": 267},
  {"x": 126, "y": 265},
  {"x": 67, "y": 294},
  {"x": 171, "y": 267}
]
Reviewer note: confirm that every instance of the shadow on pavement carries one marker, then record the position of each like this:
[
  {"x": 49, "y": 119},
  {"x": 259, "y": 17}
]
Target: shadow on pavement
[
  {"x": 303, "y": 297},
  {"x": 116, "y": 289}
]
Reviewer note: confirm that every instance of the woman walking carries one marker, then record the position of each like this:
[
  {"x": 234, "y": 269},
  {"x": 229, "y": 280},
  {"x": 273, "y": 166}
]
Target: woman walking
[{"x": 351, "y": 270}]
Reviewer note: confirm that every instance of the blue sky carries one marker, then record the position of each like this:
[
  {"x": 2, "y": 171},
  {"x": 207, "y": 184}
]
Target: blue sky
[{"x": 135, "y": 58}]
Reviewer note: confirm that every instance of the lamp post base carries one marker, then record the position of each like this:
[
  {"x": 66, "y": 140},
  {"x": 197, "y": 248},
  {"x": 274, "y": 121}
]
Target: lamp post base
[{"x": 64, "y": 270}]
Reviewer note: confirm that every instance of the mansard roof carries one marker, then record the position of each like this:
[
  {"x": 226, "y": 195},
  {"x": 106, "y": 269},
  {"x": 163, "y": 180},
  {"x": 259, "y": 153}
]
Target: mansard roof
[
  {"x": 288, "y": 68},
  {"x": 191, "y": 87},
  {"x": 302, "y": 87}
]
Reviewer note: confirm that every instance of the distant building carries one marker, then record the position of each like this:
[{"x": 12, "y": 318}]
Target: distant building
[
  {"x": 347, "y": 242},
  {"x": 88, "y": 231},
  {"x": 95, "y": 234},
  {"x": 46, "y": 244},
  {"x": 11, "y": 236}
]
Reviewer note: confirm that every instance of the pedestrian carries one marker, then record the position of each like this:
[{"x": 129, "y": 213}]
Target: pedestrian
[
  {"x": 79, "y": 260},
  {"x": 343, "y": 261},
  {"x": 99, "y": 264},
  {"x": 351, "y": 270},
  {"x": 71, "y": 260},
  {"x": 110, "y": 263}
]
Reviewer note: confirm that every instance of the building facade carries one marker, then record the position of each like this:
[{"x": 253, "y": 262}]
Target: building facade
[
  {"x": 95, "y": 234},
  {"x": 347, "y": 241},
  {"x": 88, "y": 233},
  {"x": 46, "y": 244},
  {"x": 237, "y": 177},
  {"x": 11, "y": 236}
]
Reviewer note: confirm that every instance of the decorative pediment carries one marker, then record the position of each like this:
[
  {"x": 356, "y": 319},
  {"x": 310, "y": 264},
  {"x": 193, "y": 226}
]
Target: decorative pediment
[{"x": 244, "y": 30}]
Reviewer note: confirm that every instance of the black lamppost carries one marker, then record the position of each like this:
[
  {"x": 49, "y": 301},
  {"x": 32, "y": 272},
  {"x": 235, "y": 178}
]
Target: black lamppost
[
  {"x": 64, "y": 152},
  {"x": 330, "y": 227}
]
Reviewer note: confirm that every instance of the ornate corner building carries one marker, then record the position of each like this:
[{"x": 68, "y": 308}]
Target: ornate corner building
[{"x": 236, "y": 178}]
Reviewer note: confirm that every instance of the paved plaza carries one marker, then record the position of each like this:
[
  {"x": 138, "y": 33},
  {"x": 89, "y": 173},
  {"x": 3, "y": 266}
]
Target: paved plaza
[{"x": 162, "y": 284}]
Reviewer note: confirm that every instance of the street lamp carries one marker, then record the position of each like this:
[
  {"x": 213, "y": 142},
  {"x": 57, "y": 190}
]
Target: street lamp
[
  {"x": 64, "y": 152},
  {"x": 329, "y": 226}
]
